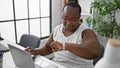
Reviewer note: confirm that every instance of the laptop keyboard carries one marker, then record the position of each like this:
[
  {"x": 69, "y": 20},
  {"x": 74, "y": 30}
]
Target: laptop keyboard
[
  {"x": 44, "y": 64},
  {"x": 38, "y": 66}
]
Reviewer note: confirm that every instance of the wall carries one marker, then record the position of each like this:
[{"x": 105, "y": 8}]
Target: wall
[{"x": 56, "y": 12}]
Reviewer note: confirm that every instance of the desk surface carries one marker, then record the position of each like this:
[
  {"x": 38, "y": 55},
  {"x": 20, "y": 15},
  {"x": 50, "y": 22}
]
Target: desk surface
[{"x": 8, "y": 61}]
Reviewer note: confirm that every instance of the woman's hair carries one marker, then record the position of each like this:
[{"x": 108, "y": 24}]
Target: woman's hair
[
  {"x": 73, "y": 0},
  {"x": 74, "y": 4}
]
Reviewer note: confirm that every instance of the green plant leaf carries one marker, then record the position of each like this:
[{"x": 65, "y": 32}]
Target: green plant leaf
[{"x": 103, "y": 21}]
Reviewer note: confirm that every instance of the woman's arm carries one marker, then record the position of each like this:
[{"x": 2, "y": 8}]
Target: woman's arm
[
  {"x": 45, "y": 50},
  {"x": 90, "y": 47}
]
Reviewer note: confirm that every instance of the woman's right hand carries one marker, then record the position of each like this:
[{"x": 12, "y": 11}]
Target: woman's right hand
[{"x": 31, "y": 51}]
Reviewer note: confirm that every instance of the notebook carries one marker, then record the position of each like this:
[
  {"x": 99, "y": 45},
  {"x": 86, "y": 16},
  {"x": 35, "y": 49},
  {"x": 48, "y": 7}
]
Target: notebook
[
  {"x": 3, "y": 48},
  {"x": 23, "y": 59}
]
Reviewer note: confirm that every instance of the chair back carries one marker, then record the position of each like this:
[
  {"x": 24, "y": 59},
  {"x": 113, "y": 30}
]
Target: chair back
[
  {"x": 29, "y": 41},
  {"x": 100, "y": 56}
]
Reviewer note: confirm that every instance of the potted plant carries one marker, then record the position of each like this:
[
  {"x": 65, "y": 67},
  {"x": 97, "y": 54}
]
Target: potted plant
[{"x": 103, "y": 21}]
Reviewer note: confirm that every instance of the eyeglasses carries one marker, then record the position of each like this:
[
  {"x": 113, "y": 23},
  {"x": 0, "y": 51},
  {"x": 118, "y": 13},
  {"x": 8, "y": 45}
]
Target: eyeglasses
[{"x": 70, "y": 20}]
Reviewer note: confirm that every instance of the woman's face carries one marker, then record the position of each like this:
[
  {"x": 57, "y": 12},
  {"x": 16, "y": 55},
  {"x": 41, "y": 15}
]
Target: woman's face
[{"x": 70, "y": 18}]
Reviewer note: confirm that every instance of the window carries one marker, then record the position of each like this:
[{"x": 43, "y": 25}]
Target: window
[{"x": 19, "y": 17}]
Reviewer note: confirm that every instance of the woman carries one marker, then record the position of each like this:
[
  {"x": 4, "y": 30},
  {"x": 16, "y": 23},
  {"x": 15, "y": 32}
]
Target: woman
[{"x": 74, "y": 45}]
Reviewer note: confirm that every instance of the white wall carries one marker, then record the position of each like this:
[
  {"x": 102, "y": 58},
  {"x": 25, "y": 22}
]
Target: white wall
[
  {"x": 56, "y": 12},
  {"x": 85, "y": 5}
]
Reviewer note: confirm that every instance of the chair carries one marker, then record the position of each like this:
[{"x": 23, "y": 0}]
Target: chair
[
  {"x": 27, "y": 40},
  {"x": 100, "y": 56}
]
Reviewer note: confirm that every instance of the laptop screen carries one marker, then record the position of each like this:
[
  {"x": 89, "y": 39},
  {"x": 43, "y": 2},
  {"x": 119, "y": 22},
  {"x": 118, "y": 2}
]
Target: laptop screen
[
  {"x": 3, "y": 48},
  {"x": 23, "y": 59}
]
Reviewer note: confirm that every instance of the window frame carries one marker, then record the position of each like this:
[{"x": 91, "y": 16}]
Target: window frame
[{"x": 28, "y": 19}]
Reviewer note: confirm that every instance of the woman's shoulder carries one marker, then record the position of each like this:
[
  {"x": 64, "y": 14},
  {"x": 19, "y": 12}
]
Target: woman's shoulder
[
  {"x": 88, "y": 32},
  {"x": 82, "y": 27},
  {"x": 58, "y": 27}
]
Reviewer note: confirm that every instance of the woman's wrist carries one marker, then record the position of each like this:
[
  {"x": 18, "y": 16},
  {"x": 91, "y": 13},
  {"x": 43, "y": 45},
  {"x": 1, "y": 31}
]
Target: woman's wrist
[{"x": 35, "y": 52}]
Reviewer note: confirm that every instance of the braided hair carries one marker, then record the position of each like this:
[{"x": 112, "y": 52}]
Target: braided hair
[
  {"x": 73, "y": 0},
  {"x": 73, "y": 3}
]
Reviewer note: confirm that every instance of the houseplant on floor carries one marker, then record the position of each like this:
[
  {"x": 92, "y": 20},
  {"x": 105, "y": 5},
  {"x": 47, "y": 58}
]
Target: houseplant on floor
[{"x": 103, "y": 20}]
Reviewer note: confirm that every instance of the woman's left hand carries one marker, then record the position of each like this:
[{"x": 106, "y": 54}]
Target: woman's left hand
[{"x": 56, "y": 46}]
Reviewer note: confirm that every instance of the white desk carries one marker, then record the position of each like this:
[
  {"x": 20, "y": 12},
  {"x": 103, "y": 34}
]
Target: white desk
[{"x": 8, "y": 60}]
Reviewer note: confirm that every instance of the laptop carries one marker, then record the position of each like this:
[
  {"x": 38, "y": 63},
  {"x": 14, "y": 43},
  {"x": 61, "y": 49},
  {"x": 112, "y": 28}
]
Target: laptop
[
  {"x": 23, "y": 59},
  {"x": 3, "y": 48}
]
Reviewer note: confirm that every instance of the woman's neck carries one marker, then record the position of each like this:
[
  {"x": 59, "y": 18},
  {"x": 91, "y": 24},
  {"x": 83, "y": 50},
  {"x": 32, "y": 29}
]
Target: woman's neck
[{"x": 67, "y": 32}]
